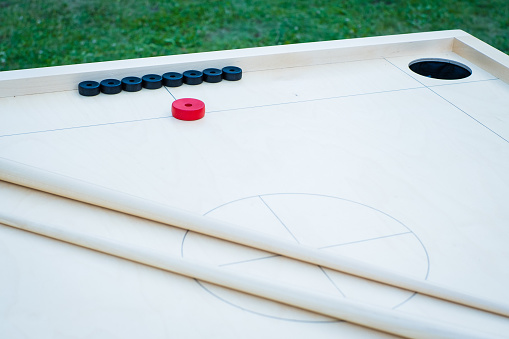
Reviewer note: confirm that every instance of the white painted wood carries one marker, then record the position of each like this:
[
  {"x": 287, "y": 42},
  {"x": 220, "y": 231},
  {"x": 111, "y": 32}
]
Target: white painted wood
[
  {"x": 40, "y": 112},
  {"x": 469, "y": 97},
  {"x": 358, "y": 313},
  {"x": 31, "y": 177},
  {"x": 484, "y": 55},
  {"x": 376, "y": 164}
]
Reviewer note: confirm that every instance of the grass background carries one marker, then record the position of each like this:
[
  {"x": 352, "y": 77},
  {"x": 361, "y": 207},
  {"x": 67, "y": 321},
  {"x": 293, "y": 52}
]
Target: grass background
[{"x": 47, "y": 33}]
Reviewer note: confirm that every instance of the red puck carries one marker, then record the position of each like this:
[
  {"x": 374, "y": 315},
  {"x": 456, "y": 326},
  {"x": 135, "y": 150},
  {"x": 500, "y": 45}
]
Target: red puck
[{"x": 188, "y": 109}]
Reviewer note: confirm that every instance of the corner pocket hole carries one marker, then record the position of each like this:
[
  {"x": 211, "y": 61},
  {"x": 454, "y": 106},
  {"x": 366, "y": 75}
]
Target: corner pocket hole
[{"x": 440, "y": 69}]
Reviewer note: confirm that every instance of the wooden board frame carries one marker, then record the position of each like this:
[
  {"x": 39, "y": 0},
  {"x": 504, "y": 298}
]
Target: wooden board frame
[
  {"x": 348, "y": 63},
  {"x": 66, "y": 78}
]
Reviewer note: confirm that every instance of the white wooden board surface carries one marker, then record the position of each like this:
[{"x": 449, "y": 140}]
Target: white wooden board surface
[{"x": 361, "y": 158}]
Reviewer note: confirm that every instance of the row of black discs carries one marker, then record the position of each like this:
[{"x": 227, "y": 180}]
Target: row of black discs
[{"x": 154, "y": 81}]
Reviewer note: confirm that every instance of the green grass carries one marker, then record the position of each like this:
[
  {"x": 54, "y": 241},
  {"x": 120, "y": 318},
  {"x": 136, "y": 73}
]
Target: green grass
[{"x": 46, "y": 33}]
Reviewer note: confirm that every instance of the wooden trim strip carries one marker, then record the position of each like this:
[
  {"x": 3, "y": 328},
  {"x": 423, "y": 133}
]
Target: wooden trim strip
[{"x": 483, "y": 55}]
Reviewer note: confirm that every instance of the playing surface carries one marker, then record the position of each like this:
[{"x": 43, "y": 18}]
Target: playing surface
[{"x": 362, "y": 158}]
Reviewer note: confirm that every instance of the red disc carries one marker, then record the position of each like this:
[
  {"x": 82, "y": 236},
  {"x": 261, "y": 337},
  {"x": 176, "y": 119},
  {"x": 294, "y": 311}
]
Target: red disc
[{"x": 188, "y": 109}]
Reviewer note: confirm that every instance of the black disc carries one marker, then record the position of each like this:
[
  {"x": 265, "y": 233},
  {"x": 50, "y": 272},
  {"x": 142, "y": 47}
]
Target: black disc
[
  {"x": 212, "y": 75},
  {"x": 172, "y": 79},
  {"x": 152, "y": 81},
  {"x": 232, "y": 73},
  {"x": 89, "y": 88},
  {"x": 111, "y": 86},
  {"x": 131, "y": 84},
  {"x": 193, "y": 77}
]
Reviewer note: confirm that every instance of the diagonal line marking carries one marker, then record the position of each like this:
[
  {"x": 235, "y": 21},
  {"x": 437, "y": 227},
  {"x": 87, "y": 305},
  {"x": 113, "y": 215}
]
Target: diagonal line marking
[{"x": 281, "y": 221}]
